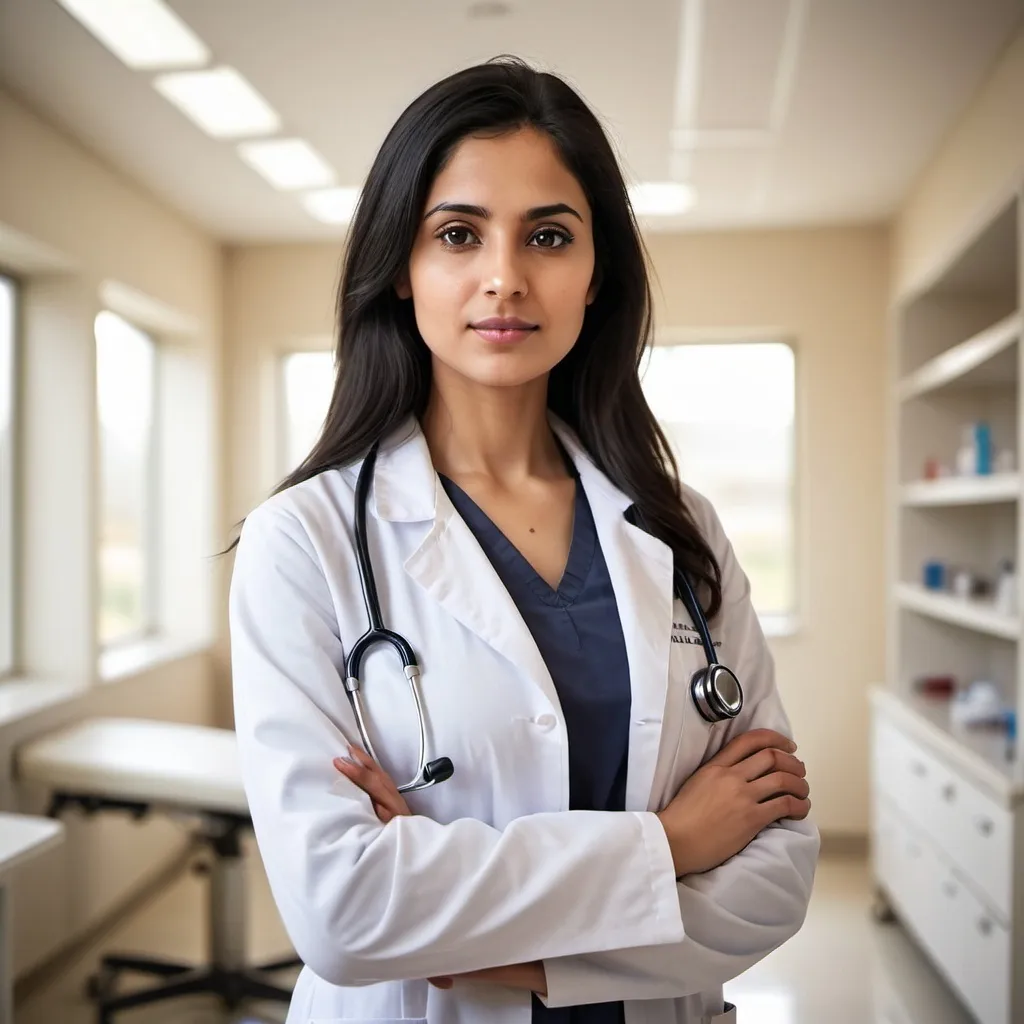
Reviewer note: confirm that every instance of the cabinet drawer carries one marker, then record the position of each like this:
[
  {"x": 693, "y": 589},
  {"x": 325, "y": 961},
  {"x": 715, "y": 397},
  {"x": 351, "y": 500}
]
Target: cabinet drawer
[
  {"x": 986, "y": 964},
  {"x": 966, "y": 825},
  {"x": 978, "y": 838}
]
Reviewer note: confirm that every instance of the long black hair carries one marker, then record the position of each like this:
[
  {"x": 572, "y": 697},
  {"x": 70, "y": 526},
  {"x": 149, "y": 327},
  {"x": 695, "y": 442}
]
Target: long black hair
[{"x": 384, "y": 366}]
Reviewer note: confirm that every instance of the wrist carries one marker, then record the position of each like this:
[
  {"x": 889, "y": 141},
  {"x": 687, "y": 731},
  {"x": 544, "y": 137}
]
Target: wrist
[{"x": 676, "y": 845}]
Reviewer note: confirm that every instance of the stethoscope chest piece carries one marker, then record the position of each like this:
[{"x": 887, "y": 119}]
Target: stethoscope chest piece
[{"x": 716, "y": 693}]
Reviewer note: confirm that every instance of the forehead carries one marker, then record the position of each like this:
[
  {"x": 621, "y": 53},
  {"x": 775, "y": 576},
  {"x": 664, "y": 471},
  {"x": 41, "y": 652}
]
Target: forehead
[{"x": 514, "y": 171}]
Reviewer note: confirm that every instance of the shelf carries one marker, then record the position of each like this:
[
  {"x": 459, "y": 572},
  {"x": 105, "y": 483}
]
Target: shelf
[
  {"x": 962, "y": 490},
  {"x": 955, "y": 363},
  {"x": 977, "y": 615},
  {"x": 977, "y": 752}
]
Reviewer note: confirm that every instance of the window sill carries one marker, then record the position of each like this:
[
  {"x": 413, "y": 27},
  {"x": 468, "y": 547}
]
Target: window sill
[
  {"x": 22, "y": 697},
  {"x": 132, "y": 658},
  {"x": 779, "y": 625}
]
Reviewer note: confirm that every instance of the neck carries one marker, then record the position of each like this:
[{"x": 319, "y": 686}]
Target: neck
[{"x": 501, "y": 434}]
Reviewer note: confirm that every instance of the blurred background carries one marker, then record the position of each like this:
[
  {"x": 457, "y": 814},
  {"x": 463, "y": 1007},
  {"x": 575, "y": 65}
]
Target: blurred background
[{"x": 830, "y": 192}]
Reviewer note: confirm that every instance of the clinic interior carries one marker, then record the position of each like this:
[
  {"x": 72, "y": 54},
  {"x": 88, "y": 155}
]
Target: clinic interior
[{"x": 830, "y": 192}]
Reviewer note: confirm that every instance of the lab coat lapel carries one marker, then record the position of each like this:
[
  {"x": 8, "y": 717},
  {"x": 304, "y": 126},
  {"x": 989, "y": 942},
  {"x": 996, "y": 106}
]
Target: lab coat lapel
[
  {"x": 640, "y": 568},
  {"x": 449, "y": 563}
]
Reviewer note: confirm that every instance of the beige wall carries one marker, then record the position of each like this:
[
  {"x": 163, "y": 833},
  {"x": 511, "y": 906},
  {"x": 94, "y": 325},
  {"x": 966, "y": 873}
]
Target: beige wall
[
  {"x": 80, "y": 237},
  {"x": 980, "y": 163},
  {"x": 826, "y": 291}
]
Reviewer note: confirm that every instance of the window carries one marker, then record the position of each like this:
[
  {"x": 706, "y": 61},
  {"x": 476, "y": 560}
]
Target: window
[
  {"x": 8, "y": 325},
  {"x": 728, "y": 412},
  {"x": 306, "y": 386},
  {"x": 125, "y": 386}
]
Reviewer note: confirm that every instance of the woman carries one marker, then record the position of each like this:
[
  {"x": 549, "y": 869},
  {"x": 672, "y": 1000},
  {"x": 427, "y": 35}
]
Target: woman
[{"x": 601, "y": 852}]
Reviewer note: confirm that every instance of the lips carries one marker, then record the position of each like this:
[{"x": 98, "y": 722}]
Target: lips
[
  {"x": 503, "y": 323},
  {"x": 503, "y": 330}
]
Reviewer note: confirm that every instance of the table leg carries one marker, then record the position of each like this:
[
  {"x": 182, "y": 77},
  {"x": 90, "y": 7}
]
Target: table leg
[{"x": 6, "y": 981}]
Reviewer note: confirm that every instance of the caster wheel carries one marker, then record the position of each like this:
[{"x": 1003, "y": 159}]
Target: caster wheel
[{"x": 881, "y": 909}]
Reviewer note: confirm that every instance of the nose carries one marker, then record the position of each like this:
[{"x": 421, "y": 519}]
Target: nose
[{"x": 504, "y": 276}]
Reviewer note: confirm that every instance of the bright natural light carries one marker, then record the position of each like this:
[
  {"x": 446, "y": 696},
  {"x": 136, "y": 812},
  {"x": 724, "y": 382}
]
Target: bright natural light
[
  {"x": 308, "y": 379},
  {"x": 125, "y": 384},
  {"x": 728, "y": 411},
  {"x": 8, "y": 309}
]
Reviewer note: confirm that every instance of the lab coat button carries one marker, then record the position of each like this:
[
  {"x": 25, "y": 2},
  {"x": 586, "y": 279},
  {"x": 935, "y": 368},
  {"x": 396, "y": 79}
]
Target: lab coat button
[{"x": 545, "y": 722}]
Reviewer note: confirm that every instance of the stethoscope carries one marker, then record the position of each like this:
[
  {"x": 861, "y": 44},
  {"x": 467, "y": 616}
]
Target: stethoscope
[{"x": 715, "y": 690}]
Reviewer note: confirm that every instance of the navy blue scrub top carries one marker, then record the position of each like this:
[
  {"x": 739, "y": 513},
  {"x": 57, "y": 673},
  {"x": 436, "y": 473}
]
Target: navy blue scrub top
[{"x": 579, "y": 635}]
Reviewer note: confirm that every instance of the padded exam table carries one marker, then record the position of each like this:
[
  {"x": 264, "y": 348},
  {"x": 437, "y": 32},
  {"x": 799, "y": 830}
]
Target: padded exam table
[{"x": 140, "y": 766}]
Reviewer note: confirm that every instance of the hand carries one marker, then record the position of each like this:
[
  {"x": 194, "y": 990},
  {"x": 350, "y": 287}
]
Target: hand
[
  {"x": 362, "y": 770},
  {"x": 752, "y": 781},
  {"x": 530, "y": 977}
]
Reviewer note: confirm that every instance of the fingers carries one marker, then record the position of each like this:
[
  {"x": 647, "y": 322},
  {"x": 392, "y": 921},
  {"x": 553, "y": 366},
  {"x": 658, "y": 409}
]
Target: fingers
[
  {"x": 441, "y": 982},
  {"x": 779, "y": 784},
  {"x": 741, "y": 747},
  {"x": 770, "y": 760},
  {"x": 375, "y": 783},
  {"x": 787, "y": 806}
]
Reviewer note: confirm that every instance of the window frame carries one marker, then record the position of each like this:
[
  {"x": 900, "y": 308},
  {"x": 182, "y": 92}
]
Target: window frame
[
  {"x": 151, "y": 526},
  {"x": 10, "y": 469},
  {"x": 773, "y": 623}
]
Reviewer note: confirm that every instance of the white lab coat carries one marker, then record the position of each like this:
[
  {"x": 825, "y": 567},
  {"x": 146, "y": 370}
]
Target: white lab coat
[{"x": 492, "y": 868}]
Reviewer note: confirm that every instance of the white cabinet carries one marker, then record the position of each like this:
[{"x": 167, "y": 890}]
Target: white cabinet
[{"x": 944, "y": 853}]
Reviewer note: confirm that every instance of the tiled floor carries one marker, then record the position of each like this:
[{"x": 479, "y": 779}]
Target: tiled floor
[{"x": 841, "y": 969}]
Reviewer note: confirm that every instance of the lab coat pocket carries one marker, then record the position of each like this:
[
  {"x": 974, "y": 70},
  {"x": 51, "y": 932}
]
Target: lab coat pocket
[{"x": 370, "y": 1020}]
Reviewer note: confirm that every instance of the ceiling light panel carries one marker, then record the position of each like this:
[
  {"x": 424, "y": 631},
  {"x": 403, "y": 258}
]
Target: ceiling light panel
[
  {"x": 332, "y": 205},
  {"x": 287, "y": 163},
  {"x": 144, "y": 34},
  {"x": 220, "y": 101}
]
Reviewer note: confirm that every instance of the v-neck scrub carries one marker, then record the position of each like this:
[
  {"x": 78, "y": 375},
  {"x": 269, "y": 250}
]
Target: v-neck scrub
[{"x": 577, "y": 630}]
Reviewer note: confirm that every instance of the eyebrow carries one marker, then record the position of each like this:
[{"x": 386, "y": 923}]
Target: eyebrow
[{"x": 536, "y": 213}]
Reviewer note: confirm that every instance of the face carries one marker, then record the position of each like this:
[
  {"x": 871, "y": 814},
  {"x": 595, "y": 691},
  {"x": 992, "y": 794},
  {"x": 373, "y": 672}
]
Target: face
[{"x": 502, "y": 268}]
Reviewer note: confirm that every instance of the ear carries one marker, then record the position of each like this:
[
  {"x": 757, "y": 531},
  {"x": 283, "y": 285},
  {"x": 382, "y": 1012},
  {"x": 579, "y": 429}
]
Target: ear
[
  {"x": 403, "y": 287},
  {"x": 595, "y": 286}
]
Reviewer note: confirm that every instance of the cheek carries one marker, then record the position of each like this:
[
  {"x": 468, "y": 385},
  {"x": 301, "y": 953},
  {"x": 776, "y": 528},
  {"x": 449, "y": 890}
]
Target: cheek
[{"x": 440, "y": 298}]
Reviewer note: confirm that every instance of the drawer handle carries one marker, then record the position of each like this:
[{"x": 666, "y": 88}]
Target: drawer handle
[
  {"x": 985, "y": 826},
  {"x": 985, "y": 926},
  {"x": 949, "y": 792}
]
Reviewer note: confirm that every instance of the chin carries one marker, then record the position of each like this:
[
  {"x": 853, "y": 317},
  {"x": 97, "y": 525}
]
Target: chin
[{"x": 507, "y": 370}]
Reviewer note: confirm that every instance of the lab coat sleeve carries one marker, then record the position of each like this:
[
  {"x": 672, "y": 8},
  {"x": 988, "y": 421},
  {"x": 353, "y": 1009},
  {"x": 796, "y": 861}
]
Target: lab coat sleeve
[
  {"x": 737, "y": 913},
  {"x": 364, "y": 902}
]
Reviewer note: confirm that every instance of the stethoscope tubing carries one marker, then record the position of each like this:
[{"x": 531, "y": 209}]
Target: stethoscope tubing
[{"x": 711, "y": 705}]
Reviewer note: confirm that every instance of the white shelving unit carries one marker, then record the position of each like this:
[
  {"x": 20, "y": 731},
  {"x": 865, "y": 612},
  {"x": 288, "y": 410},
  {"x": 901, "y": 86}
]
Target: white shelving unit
[
  {"x": 978, "y": 490},
  {"x": 948, "y": 802}
]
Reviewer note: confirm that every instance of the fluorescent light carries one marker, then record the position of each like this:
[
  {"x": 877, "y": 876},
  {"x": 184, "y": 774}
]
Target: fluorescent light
[
  {"x": 661, "y": 198},
  {"x": 145, "y": 34},
  {"x": 332, "y": 205},
  {"x": 220, "y": 101},
  {"x": 287, "y": 163}
]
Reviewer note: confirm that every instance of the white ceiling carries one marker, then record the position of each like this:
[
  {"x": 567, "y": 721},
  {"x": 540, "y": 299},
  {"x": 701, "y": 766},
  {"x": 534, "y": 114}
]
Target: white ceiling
[{"x": 779, "y": 112}]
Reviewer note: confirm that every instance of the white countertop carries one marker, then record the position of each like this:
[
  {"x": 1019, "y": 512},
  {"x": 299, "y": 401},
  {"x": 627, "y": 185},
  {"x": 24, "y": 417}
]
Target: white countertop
[{"x": 23, "y": 836}]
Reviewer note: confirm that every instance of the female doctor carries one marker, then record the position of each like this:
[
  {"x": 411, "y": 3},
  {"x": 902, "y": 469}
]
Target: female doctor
[{"x": 598, "y": 836}]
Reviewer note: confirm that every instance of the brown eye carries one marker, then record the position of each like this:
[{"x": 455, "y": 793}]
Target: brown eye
[
  {"x": 456, "y": 237},
  {"x": 548, "y": 238}
]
